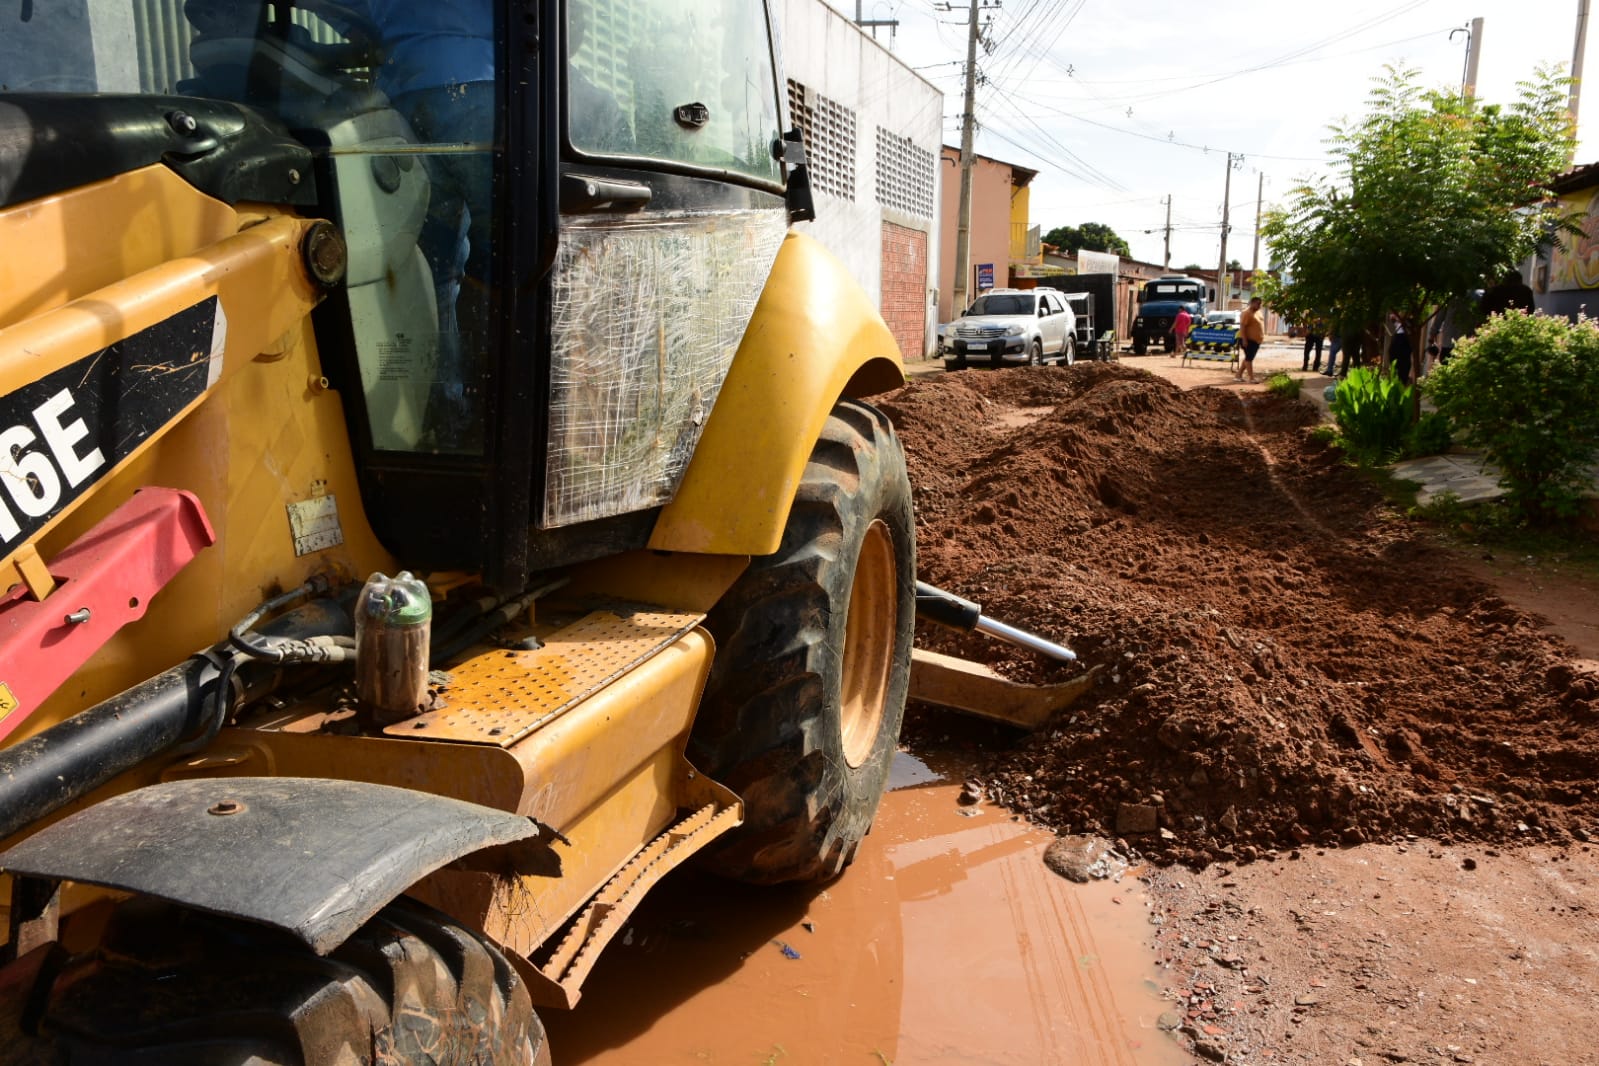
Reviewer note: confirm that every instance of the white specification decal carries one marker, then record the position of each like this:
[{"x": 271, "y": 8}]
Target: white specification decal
[{"x": 315, "y": 525}]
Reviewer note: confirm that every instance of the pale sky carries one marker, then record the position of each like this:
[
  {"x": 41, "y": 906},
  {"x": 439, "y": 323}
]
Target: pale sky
[{"x": 1119, "y": 104}]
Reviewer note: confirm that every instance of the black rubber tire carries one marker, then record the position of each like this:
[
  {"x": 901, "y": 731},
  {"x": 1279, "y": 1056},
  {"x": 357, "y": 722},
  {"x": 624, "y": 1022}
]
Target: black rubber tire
[
  {"x": 772, "y": 723},
  {"x": 175, "y": 987},
  {"x": 1068, "y": 351},
  {"x": 1140, "y": 345},
  {"x": 1035, "y": 354}
]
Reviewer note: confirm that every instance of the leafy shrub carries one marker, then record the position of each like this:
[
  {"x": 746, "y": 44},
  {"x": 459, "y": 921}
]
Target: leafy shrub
[
  {"x": 1524, "y": 390},
  {"x": 1483, "y": 521},
  {"x": 1283, "y": 385},
  {"x": 1430, "y": 436},
  {"x": 1373, "y": 412}
]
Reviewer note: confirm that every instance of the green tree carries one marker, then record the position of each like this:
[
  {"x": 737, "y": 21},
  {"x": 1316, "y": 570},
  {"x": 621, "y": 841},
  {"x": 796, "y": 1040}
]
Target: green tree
[
  {"x": 1090, "y": 236},
  {"x": 1429, "y": 194},
  {"x": 1192, "y": 268}
]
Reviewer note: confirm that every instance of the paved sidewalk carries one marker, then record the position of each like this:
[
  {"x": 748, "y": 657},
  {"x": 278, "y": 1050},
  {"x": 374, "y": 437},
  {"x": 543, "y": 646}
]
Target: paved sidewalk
[{"x": 1466, "y": 475}]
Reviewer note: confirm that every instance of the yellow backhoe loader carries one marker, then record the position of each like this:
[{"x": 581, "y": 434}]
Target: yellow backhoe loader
[
  {"x": 436, "y": 501},
  {"x": 501, "y": 294}
]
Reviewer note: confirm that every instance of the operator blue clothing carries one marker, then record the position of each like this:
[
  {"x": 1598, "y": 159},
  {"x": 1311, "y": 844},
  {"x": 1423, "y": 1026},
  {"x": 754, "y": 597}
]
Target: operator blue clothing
[
  {"x": 431, "y": 43},
  {"x": 438, "y": 71}
]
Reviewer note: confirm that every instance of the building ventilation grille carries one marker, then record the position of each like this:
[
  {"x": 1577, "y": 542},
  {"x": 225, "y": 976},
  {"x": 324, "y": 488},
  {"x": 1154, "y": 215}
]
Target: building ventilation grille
[
  {"x": 829, "y": 129},
  {"x": 904, "y": 175}
]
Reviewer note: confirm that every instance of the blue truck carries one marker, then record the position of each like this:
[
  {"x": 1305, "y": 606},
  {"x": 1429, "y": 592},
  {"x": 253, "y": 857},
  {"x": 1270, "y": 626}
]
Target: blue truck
[{"x": 1158, "y": 304}]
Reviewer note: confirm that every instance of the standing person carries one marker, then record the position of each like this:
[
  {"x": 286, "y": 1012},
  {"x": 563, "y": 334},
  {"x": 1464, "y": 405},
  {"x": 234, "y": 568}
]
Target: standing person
[
  {"x": 1456, "y": 320},
  {"x": 1251, "y": 332},
  {"x": 1354, "y": 350},
  {"x": 1179, "y": 330},
  {"x": 438, "y": 70},
  {"x": 1334, "y": 343},
  {"x": 1433, "y": 355},
  {"x": 1511, "y": 293},
  {"x": 1399, "y": 349},
  {"x": 1314, "y": 332}
]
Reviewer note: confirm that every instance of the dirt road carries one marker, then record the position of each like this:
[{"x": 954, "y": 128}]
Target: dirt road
[
  {"x": 1383, "y": 770},
  {"x": 1369, "y": 772}
]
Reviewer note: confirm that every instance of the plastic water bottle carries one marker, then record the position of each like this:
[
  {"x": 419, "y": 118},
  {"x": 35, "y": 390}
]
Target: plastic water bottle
[{"x": 393, "y": 631}]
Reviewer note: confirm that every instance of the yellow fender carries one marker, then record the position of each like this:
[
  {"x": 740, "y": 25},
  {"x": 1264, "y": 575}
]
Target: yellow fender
[{"x": 814, "y": 338}]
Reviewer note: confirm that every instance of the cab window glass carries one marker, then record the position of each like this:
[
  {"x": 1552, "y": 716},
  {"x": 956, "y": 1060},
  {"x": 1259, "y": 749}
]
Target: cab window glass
[
  {"x": 681, "y": 81},
  {"x": 400, "y": 100}
]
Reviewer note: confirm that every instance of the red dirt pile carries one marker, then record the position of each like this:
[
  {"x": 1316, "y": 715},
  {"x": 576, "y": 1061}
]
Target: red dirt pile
[{"x": 1286, "y": 659}]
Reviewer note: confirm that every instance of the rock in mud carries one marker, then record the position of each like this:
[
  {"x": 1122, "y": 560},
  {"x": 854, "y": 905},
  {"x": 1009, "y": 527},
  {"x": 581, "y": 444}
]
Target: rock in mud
[{"x": 1083, "y": 859}]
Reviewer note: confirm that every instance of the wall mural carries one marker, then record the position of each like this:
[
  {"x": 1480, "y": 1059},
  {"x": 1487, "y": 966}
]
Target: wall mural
[{"x": 1575, "y": 263}]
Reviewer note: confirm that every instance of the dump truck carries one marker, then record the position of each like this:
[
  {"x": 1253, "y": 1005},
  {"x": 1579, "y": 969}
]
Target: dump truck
[
  {"x": 438, "y": 501},
  {"x": 1158, "y": 304}
]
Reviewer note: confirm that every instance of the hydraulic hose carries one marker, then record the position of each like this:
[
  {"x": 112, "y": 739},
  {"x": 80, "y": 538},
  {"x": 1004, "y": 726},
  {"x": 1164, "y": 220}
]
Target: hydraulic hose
[
  {"x": 73, "y": 758},
  {"x": 186, "y": 705}
]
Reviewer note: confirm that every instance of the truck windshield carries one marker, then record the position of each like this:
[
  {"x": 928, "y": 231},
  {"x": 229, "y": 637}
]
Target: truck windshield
[
  {"x": 1171, "y": 292},
  {"x": 1007, "y": 304}
]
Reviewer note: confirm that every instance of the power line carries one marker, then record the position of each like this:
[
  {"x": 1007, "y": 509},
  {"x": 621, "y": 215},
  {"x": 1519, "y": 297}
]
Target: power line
[
  {"x": 1169, "y": 139},
  {"x": 1081, "y": 165},
  {"x": 1073, "y": 75}
]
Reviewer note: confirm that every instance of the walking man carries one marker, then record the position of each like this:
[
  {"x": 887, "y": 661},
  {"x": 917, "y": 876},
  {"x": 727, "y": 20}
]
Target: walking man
[
  {"x": 1313, "y": 335},
  {"x": 1179, "y": 329},
  {"x": 1251, "y": 332}
]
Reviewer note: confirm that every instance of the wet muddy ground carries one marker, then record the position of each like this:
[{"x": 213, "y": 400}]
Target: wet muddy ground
[
  {"x": 1354, "y": 772},
  {"x": 947, "y": 942}
]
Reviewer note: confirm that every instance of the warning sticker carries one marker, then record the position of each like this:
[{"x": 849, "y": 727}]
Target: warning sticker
[
  {"x": 8, "y": 702},
  {"x": 315, "y": 524}
]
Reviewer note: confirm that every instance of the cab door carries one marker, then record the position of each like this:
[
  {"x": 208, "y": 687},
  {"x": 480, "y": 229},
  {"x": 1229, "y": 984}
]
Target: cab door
[{"x": 672, "y": 210}]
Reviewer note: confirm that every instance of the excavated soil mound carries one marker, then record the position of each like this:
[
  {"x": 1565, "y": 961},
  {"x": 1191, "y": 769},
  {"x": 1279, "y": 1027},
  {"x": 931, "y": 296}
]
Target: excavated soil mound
[{"x": 1284, "y": 659}]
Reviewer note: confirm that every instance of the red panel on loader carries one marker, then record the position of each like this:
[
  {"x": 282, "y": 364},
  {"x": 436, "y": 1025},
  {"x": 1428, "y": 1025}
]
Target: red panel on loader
[{"x": 104, "y": 580}]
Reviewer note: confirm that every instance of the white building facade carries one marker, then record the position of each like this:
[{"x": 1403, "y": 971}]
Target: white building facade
[{"x": 873, "y": 128}]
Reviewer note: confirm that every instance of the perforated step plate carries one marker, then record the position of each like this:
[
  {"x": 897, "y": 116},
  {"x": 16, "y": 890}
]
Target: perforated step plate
[{"x": 499, "y": 696}]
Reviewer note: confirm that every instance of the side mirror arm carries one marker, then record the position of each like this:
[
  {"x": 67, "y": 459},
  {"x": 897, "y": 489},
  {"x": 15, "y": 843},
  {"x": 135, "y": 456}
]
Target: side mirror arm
[{"x": 791, "y": 150}]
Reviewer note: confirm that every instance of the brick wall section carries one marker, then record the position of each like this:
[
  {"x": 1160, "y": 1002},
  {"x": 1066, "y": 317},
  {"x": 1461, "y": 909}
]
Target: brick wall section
[{"x": 905, "y": 287}]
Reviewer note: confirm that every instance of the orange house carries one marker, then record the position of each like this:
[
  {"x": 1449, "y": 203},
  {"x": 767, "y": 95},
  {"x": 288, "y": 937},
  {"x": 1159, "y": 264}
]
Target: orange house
[{"x": 1001, "y": 241}]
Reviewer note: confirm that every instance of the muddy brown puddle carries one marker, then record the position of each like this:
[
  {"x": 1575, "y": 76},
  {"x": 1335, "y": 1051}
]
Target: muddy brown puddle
[{"x": 947, "y": 942}]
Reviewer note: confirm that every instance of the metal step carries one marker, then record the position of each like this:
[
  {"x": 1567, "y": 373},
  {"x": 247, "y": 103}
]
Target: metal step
[{"x": 560, "y": 975}]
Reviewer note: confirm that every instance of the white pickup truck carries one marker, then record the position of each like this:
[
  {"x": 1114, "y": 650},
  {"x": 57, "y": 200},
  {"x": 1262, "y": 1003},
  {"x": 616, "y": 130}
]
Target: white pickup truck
[{"x": 1006, "y": 327}]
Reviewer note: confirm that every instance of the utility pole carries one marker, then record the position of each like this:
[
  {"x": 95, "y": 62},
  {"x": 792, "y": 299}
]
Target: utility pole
[
  {"x": 1473, "y": 54},
  {"x": 1166, "y": 263},
  {"x": 1260, "y": 198},
  {"x": 872, "y": 24},
  {"x": 1223, "y": 280},
  {"x": 1576, "y": 67},
  {"x": 963, "y": 228}
]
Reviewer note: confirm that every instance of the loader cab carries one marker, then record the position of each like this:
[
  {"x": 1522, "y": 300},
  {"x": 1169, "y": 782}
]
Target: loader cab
[{"x": 556, "y": 218}]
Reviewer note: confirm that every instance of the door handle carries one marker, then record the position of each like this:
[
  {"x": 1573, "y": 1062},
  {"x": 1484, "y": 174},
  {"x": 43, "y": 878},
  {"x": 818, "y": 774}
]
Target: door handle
[{"x": 582, "y": 194}]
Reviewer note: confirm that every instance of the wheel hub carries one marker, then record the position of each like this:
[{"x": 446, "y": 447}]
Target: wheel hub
[{"x": 869, "y": 644}]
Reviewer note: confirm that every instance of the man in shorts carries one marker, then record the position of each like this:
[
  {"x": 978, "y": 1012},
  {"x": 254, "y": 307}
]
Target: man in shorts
[{"x": 1251, "y": 331}]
